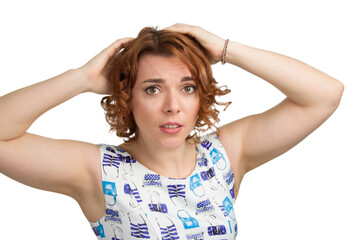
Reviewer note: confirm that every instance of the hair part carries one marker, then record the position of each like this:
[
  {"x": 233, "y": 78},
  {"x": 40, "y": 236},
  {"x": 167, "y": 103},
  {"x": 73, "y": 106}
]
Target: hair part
[{"x": 122, "y": 74}]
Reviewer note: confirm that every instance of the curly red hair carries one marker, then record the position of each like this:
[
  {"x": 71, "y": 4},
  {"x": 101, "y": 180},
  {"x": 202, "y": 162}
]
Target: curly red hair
[{"x": 123, "y": 69}]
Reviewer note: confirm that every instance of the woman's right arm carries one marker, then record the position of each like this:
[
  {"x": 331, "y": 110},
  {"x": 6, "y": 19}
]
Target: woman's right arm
[{"x": 62, "y": 166}]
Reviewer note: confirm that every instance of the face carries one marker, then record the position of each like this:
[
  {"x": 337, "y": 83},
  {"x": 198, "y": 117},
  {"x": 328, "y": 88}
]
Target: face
[{"x": 165, "y": 101}]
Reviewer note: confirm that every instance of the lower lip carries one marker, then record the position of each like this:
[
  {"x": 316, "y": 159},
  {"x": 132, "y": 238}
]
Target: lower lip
[{"x": 171, "y": 130}]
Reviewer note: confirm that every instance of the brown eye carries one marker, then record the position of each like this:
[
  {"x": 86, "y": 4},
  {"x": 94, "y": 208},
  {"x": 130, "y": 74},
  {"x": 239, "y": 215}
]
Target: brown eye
[
  {"x": 152, "y": 90},
  {"x": 189, "y": 89}
]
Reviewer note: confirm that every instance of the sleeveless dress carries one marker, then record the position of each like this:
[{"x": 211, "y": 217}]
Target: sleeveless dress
[{"x": 143, "y": 204}]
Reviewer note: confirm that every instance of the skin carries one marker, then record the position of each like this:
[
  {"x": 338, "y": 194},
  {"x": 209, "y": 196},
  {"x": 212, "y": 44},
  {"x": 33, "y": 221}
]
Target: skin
[
  {"x": 311, "y": 97},
  {"x": 153, "y": 104}
]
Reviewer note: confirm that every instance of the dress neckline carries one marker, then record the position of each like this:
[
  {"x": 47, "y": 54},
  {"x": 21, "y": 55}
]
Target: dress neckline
[{"x": 162, "y": 176}]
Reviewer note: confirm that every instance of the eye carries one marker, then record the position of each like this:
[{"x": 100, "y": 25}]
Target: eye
[
  {"x": 152, "y": 90},
  {"x": 189, "y": 89}
]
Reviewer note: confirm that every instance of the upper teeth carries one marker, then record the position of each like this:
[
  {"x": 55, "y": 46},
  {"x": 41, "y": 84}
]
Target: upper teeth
[{"x": 171, "y": 126}]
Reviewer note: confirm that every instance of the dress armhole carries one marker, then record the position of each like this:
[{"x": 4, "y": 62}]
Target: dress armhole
[
  {"x": 221, "y": 162},
  {"x": 97, "y": 226},
  {"x": 101, "y": 151}
]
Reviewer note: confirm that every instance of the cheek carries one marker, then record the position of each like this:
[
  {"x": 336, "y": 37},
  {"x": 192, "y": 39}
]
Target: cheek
[
  {"x": 143, "y": 110},
  {"x": 196, "y": 106}
]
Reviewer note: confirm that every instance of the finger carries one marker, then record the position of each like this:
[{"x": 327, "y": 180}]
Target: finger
[
  {"x": 182, "y": 28},
  {"x": 117, "y": 45},
  {"x": 177, "y": 27}
]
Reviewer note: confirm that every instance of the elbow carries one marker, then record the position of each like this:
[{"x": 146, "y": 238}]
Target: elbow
[
  {"x": 337, "y": 93},
  {"x": 333, "y": 98},
  {"x": 330, "y": 98}
]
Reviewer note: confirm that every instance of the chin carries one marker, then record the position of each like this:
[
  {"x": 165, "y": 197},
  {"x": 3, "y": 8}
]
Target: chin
[{"x": 172, "y": 142}]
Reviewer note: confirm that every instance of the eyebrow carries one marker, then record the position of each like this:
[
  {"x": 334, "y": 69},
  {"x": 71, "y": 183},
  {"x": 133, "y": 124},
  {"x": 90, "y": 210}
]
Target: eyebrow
[{"x": 160, "y": 80}]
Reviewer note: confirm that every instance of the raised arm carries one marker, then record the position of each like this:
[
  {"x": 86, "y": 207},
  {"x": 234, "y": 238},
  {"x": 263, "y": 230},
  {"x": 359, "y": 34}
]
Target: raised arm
[
  {"x": 312, "y": 96},
  {"x": 62, "y": 166}
]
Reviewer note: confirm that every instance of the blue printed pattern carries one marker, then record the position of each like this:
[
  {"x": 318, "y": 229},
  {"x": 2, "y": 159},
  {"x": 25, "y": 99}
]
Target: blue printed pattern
[
  {"x": 216, "y": 230},
  {"x": 158, "y": 207},
  {"x": 187, "y": 220},
  {"x": 169, "y": 233},
  {"x": 99, "y": 230},
  {"x": 197, "y": 207},
  {"x": 111, "y": 161},
  {"x": 139, "y": 230},
  {"x": 176, "y": 190},
  {"x": 133, "y": 192}
]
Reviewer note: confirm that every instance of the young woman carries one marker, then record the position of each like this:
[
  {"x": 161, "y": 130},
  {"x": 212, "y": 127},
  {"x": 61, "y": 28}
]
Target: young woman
[{"x": 166, "y": 181}]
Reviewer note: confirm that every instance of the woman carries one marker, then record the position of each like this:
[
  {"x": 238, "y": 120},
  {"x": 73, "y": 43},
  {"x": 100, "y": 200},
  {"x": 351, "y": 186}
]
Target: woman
[{"x": 165, "y": 181}]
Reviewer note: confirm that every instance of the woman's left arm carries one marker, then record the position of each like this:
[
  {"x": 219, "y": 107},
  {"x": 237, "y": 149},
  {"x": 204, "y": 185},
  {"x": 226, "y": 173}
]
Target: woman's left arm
[{"x": 312, "y": 96}]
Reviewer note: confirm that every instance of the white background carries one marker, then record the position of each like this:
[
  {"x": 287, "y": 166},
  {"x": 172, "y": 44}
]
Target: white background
[{"x": 310, "y": 192}]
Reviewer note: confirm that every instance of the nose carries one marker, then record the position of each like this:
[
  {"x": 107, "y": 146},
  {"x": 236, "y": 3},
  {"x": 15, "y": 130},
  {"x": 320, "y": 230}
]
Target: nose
[{"x": 172, "y": 103}]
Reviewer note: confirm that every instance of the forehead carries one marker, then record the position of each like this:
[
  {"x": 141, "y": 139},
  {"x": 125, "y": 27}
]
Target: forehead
[{"x": 153, "y": 66}]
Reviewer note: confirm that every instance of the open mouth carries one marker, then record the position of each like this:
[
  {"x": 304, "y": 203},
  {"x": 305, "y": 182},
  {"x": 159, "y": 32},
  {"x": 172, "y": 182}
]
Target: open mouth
[{"x": 170, "y": 126}]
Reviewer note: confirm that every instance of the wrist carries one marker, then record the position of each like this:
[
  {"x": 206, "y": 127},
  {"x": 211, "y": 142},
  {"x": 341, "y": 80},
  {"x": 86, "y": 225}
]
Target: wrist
[
  {"x": 232, "y": 52},
  {"x": 80, "y": 79},
  {"x": 224, "y": 50}
]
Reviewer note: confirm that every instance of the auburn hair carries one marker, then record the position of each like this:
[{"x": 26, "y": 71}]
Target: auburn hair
[{"x": 122, "y": 74}]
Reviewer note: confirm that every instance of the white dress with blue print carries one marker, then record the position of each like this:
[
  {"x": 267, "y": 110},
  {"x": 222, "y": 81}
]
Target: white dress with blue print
[{"x": 143, "y": 204}]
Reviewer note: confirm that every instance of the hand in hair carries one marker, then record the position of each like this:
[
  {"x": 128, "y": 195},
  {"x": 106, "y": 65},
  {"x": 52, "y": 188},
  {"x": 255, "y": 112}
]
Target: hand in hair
[
  {"x": 96, "y": 70},
  {"x": 211, "y": 42}
]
